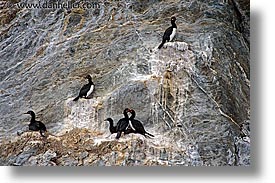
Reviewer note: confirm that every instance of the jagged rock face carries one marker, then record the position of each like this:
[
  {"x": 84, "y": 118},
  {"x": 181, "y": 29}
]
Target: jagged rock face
[{"x": 193, "y": 94}]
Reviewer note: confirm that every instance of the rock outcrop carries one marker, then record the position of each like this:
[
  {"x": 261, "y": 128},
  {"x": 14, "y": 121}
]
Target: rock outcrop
[{"x": 193, "y": 94}]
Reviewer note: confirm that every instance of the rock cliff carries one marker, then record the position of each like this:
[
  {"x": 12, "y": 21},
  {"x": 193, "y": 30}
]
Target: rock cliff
[{"x": 193, "y": 94}]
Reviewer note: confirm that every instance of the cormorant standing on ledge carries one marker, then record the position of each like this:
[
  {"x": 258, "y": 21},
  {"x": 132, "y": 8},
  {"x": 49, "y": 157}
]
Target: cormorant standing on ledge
[
  {"x": 170, "y": 32},
  {"x": 136, "y": 125},
  {"x": 122, "y": 124},
  {"x": 86, "y": 90},
  {"x": 36, "y": 125},
  {"x": 112, "y": 128}
]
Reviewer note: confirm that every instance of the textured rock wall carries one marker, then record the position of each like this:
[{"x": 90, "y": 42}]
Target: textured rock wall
[{"x": 193, "y": 94}]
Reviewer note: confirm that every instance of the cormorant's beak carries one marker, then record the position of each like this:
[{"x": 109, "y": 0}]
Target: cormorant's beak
[{"x": 25, "y": 113}]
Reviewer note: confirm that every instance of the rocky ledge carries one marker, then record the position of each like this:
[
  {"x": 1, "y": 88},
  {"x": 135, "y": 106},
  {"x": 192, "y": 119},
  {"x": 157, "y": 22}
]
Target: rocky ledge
[
  {"x": 82, "y": 147},
  {"x": 193, "y": 94}
]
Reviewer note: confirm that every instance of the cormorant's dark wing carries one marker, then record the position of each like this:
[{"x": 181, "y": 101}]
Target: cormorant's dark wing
[
  {"x": 41, "y": 126},
  {"x": 122, "y": 124},
  {"x": 113, "y": 129},
  {"x": 138, "y": 126},
  {"x": 167, "y": 33},
  {"x": 121, "y": 127},
  {"x": 84, "y": 90}
]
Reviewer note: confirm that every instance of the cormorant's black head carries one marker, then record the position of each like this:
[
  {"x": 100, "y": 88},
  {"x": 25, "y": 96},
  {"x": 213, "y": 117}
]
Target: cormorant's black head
[
  {"x": 126, "y": 110},
  {"x": 130, "y": 110},
  {"x": 88, "y": 77},
  {"x": 109, "y": 119},
  {"x": 173, "y": 19},
  {"x": 29, "y": 112}
]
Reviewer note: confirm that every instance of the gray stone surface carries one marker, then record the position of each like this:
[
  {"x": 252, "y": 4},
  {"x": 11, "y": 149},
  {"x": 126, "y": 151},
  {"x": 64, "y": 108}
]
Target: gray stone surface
[{"x": 193, "y": 94}]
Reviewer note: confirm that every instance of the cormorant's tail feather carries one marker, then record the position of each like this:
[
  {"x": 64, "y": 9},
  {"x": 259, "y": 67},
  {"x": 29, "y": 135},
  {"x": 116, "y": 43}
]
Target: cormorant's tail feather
[
  {"x": 118, "y": 134},
  {"x": 42, "y": 133},
  {"x": 149, "y": 134},
  {"x": 161, "y": 44},
  {"x": 76, "y": 99}
]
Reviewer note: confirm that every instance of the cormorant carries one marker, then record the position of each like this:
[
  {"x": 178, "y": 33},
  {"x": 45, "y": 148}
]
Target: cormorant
[
  {"x": 36, "y": 125},
  {"x": 112, "y": 128},
  {"x": 136, "y": 126},
  {"x": 170, "y": 32},
  {"x": 86, "y": 90},
  {"x": 122, "y": 124}
]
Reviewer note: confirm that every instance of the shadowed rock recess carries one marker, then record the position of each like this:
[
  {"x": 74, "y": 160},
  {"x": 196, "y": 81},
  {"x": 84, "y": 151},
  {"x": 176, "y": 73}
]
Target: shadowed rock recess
[{"x": 193, "y": 94}]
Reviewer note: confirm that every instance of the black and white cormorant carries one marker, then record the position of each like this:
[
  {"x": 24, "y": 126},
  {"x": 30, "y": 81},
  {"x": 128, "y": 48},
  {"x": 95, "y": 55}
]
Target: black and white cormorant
[
  {"x": 86, "y": 90},
  {"x": 170, "y": 33},
  {"x": 136, "y": 126},
  {"x": 36, "y": 125},
  {"x": 122, "y": 124},
  {"x": 112, "y": 128}
]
